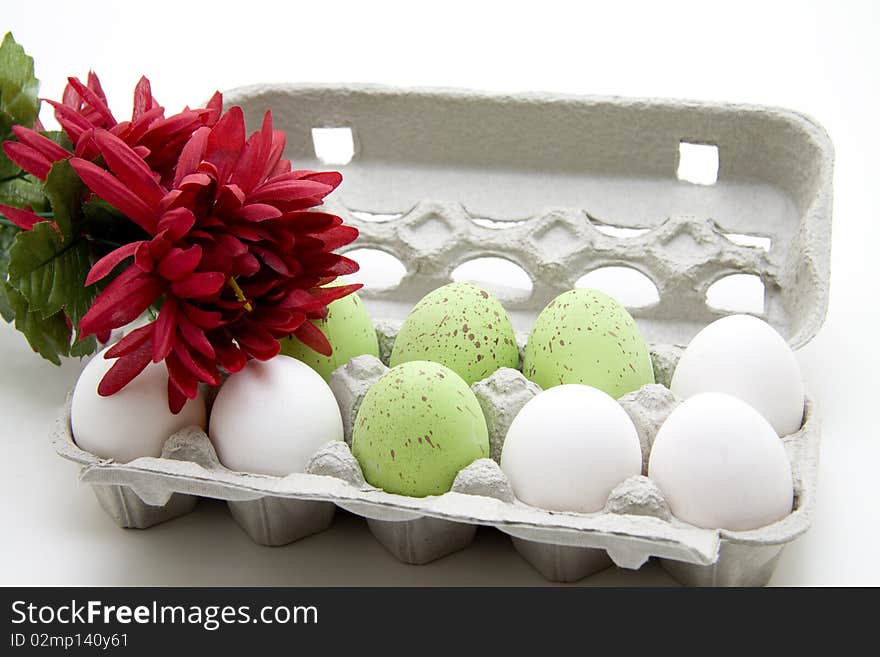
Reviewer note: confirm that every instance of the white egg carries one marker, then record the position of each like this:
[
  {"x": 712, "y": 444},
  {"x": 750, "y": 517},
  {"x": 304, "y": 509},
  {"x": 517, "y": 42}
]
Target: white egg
[
  {"x": 744, "y": 357},
  {"x": 568, "y": 447},
  {"x": 721, "y": 465},
  {"x": 135, "y": 421},
  {"x": 271, "y": 417}
]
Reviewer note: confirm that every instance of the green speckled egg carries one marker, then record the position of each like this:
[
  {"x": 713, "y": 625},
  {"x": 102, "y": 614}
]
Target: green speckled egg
[
  {"x": 348, "y": 329},
  {"x": 416, "y": 428},
  {"x": 462, "y": 326},
  {"x": 585, "y": 336}
]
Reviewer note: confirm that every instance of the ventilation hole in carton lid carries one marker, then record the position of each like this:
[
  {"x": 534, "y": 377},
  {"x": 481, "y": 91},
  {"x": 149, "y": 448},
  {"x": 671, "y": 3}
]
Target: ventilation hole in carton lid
[
  {"x": 503, "y": 278},
  {"x": 497, "y": 224},
  {"x": 379, "y": 270},
  {"x": 743, "y": 239},
  {"x": 627, "y": 285},
  {"x": 697, "y": 163},
  {"x": 740, "y": 293},
  {"x": 375, "y": 217},
  {"x": 333, "y": 146},
  {"x": 619, "y": 231}
]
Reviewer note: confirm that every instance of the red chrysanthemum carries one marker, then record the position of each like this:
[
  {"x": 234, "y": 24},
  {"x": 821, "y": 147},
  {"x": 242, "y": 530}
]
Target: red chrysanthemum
[
  {"x": 235, "y": 254},
  {"x": 235, "y": 257},
  {"x": 156, "y": 139}
]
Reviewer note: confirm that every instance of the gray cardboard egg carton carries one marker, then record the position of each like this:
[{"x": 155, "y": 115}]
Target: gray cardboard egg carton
[{"x": 441, "y": 177}]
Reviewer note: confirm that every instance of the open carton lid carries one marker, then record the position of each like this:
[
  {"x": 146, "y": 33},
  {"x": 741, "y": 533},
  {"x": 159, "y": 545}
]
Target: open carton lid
[{"x": 438, "y": 178}]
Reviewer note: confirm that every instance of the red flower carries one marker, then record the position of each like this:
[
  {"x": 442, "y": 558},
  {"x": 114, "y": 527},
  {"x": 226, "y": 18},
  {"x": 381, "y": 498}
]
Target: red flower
[
  {"x": 235, "y": 254},
  {"x": 155, "y": 139}
]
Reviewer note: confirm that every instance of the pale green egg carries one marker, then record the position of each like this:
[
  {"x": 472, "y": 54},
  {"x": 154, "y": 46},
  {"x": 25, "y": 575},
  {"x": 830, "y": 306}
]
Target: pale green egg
[
  {"x": 585, "y": 336},
  {"x": 461, "y": 326},
  {"x": 416, "y": 428},
  {"x": 349, "y": 330}
]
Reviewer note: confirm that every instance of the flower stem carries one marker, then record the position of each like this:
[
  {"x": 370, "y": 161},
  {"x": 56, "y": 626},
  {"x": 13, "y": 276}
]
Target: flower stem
[{"x": 239, "y": 294}]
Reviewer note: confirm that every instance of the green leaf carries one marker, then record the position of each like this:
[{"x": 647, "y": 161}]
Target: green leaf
[
  {"x": 59, "y": 138},
  {"x": 64, "y": 190},
  {"x": 24, "y": 190},
  {"x": 108, "y": 226},
  {"x": 49, "y": 337},
  {"x": 7, "y": 235},
  {"x": 86, "y": 347},
  {"x": 51, "y": 272},
  {"x": 19, "y": 104},
  {"x": 18, "y": 86}
]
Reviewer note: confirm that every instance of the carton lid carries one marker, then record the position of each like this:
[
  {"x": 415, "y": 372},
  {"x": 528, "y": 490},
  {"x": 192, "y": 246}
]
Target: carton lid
[{"x": 686, "y": 193}]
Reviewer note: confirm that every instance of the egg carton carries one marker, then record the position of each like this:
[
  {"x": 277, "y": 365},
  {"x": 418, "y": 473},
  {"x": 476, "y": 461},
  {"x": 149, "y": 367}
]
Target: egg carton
[{"x": 438, "y": 178}]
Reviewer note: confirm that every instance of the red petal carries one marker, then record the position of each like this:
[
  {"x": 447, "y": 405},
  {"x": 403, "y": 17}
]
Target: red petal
[
  {"x": 94, "y": 100},
  {"x": 311, "y": 336},
  {"x": 225, "y": 142},
  {"x": 176, "y": 398},
  {"x": 337, "y": 236},
  {"x": 130, "y": 342},
  {"x": 191, "y": 154},
  {"x": 331, "y": 178},
  {"x": 246, "y": 264},
  {"x": 257, "y": 341},
  {"x": 230, "y": 357},
  {"x": 143, "y": 256},
  {"x": 27, "y": 158},
  {"x": 182, "y": 124},
  {"x": 95, "y": 85},
  {"x": 195, "y": 337},
  {"x": 183, "y": 379},
  {"x": 200, "y": 284},
  {"x": 115, "y": 193},
  {"x": 71, "y": 121},
  {"x": 215, "y": 107},
  {"x": 165, "y": 329},
  {"x": 124, "y": 370},
  {"x": 196, "y": 368},
  {"x": 138, "y": 128},
  {"x": 332, "y": 264},
  {"x": 257, "y": 212},
  {"x": 231, "y": 245},
  {"x": 288, "y": 190},
  {"x": 204, "y": 319},
  {"x": 330, "y": 294},
  {"x": 45, "y": 146},
  {"x": 309, "y": 222},
  {"x": 180, "y": 263},
  {"x": 279, "y": 140},
  {"x": 177, "y": 222},
  {"x": 229, "y": 199},
  {"x": 143, "y": 98},
  {"x": 130, "y": 294},
  {"x": 271, "y": 259},
  {"x": 106, "y": 264},
  {"x": 302, "y": 301},
  {"x": 129, "y": 168},
  {"x": 24, "y": 219}
]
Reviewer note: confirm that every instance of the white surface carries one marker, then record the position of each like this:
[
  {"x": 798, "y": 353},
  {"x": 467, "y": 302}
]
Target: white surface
[
  {"x": 821, "y": 60},
  {"x": 568, "y": 447},
  {"x": 720, "y": 464}
]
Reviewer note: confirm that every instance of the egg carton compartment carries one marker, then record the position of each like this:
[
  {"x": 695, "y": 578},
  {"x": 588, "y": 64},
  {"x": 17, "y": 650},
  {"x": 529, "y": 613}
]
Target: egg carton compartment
[
  {"x": 634, "y": 526},
  {"x": 560, "y": 187}
]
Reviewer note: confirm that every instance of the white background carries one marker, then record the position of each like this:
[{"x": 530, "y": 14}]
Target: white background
[{"x": 821, "y": 59}]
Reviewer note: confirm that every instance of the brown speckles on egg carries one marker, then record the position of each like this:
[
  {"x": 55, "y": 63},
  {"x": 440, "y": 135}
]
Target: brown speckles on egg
[
  {"x": 473, "y": 322},
  {"x": 587, "y": 337},
  {"x": 399, "y": 451}
]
